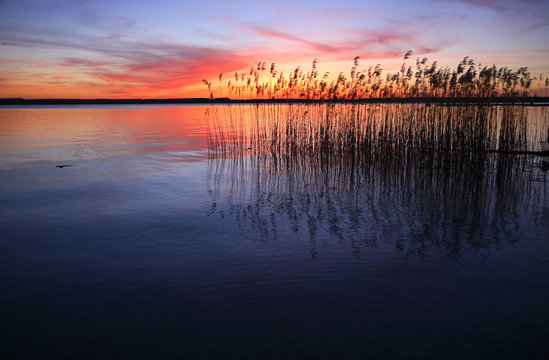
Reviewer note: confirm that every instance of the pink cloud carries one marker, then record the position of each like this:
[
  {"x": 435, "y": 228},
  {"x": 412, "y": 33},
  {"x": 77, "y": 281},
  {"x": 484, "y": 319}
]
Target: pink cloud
[
  {"x": 372, "y": 44},
  {"x": 284, "y": 36}
]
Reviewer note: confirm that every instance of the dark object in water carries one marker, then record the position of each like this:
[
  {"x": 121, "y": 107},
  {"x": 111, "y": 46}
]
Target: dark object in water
[
  {"x": 62, "y": 166},
  {"x": 544, "y": 165}
]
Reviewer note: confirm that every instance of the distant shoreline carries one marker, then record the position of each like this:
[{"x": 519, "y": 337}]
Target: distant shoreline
[{"x": 441, "y": 101}]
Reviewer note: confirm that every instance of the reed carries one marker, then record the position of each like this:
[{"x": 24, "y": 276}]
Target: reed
[
  {"x": 419, "y": 80},
  {"x": 376, "y": 132},
  {"x": 357, "y": 134},
  {"x": 330, "y": 168}
]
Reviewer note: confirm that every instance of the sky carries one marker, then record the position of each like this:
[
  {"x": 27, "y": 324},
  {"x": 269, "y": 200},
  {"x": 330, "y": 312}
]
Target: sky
[{"x": 164, "y": 48}]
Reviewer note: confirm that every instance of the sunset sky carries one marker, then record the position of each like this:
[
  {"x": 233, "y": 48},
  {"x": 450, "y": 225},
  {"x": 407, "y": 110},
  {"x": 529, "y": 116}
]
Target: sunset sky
[{"x": 163, "y": 49}]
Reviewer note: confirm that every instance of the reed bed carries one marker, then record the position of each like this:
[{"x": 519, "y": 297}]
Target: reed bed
[
  {"x": 349, "y": 171},
  {"x": 420, "y": 79},
  {"x": 375, "y": 133},
  {"x": 343, "y": 128},
  {"x": 335, "y": 169}
]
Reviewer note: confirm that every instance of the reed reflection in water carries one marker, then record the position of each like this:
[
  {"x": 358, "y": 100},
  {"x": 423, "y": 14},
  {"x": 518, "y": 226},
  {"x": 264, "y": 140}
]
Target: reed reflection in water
[{"x": 452, "y": 178}]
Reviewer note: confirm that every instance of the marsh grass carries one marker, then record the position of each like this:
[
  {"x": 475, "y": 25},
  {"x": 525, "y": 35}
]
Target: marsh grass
[
  {"x": 420, "y": 79},
  {"x": 376, "y": 133},
  {"x": 345, "y": 128},
  {"x": 335, "y": 169},
  {"x": 350, "y": 171}
]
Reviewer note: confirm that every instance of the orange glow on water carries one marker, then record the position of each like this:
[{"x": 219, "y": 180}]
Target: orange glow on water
[{"x": 79, "y": 134}]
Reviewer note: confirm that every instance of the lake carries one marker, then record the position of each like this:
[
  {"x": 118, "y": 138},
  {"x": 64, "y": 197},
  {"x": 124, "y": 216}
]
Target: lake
[{"x": 177, "y": 233}]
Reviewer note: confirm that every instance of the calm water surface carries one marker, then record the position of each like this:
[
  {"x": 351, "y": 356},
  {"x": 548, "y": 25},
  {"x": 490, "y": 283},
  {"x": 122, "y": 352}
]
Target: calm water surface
[{"x": 149, "y": 246}]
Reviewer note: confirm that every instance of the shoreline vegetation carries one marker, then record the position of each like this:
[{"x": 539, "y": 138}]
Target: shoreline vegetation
[
  {"x": 378, "y": 133},
  {"x": 366, "y": 115},
  {"x": 468, "y": 80}
]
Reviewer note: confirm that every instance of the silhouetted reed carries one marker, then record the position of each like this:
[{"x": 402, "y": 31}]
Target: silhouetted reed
[
  {"x": 353, "y": 170},
  {"x": 420, "y": 80},
  {"x": 335, "y": 170},
  {"x": 376, "y": 132}
]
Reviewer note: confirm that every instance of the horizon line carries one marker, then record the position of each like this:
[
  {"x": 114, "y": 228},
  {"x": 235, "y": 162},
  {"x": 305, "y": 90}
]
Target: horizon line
[{"x": 224, "y": 100}]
